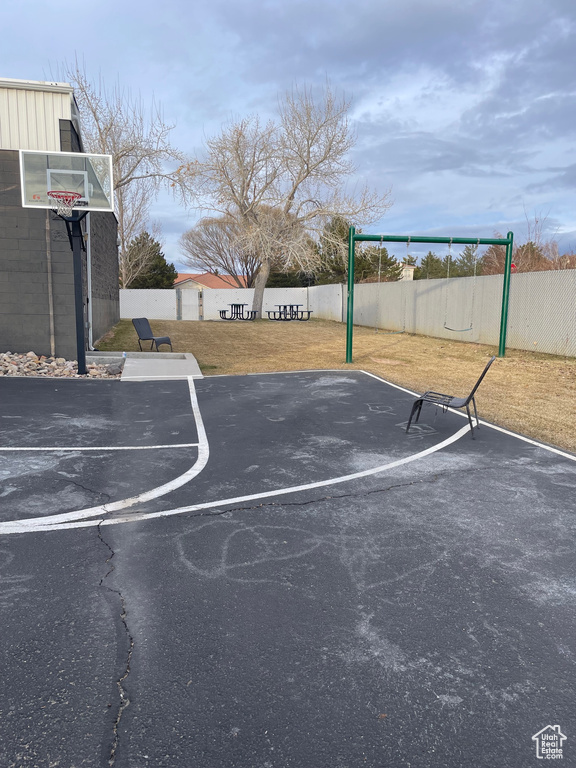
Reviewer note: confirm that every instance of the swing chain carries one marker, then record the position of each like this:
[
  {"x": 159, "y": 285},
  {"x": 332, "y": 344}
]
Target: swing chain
[
  {"x": 461, "y": 330},
  {"x": 476, "y": 262}
]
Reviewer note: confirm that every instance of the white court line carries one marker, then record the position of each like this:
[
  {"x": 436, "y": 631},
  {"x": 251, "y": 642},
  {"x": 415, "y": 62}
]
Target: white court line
[
  {"x": 45, "y": 525},
  {"x": 505, "y": 431},
  {"x": 167, "y": 377},
  {"x": 74, "y": 519},
  {"x": 32, "y": 523},
  {"x": 550, "y": 448},
  {"x": 284, "y": 373},
  {"x": 106, "y": 448}
]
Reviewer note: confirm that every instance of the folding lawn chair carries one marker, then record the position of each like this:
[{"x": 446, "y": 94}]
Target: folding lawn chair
[
  {"x": 144, "y": 332},
  {"x": 448, "y": 401}
]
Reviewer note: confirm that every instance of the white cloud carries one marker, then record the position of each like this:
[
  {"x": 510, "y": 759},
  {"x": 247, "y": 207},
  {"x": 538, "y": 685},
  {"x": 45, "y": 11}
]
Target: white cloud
[{"x": 467, "y": 109}]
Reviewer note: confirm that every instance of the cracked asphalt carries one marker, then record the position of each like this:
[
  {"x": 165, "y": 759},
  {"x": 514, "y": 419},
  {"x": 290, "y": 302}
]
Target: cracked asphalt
[{"x": 420, "y": 616}]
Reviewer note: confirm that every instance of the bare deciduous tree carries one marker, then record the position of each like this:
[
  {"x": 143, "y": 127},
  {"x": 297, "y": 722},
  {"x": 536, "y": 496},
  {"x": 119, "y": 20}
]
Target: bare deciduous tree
[
  {"x": 114, "y": 123},
  {"x": 214, "y": 244},
  {"x": 282, "y": 182},
  {"x": 539, "y": 252}
]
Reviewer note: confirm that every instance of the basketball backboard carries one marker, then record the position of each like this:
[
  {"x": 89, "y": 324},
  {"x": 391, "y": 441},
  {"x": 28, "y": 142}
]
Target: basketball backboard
[{"x": 88, "y": 175}]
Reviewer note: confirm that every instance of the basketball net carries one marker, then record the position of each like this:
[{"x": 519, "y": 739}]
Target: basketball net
[{"x": 63, "y": 202}]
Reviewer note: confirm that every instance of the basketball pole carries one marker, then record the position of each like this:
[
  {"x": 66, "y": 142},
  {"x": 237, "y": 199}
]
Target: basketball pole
[{"x": 75, "y": 233}]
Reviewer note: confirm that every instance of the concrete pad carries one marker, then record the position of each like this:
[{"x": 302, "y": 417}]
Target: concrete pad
[{"x": 150, "y": 366}]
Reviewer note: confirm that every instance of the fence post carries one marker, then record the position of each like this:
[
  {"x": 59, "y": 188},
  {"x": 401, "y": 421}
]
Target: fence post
[
  {"x": 178, "y": 303},
  {"x": 505, "y": 295}
]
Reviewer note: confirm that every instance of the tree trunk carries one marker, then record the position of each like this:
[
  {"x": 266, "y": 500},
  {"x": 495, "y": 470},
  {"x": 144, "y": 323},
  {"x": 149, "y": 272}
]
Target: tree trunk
[{"x": 259, "y": 285}]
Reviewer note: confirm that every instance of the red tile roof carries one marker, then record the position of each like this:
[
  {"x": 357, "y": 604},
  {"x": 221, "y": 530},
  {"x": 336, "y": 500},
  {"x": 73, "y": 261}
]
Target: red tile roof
[{"x": 209, "y": 280}]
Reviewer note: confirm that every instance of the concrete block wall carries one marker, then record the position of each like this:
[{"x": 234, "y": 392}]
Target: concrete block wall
[
  {"x": 36, "y": 261},
  {"x": 23, "y": 269},
  {"x": 104, "y": 259}
]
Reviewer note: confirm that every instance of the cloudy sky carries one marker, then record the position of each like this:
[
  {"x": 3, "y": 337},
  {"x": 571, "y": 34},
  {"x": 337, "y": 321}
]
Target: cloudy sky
[{"x": 465, "y": 109}]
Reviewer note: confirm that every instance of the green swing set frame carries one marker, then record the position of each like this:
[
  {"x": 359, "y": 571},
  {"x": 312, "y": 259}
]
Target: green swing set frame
[{"x": 353, "y": 238}]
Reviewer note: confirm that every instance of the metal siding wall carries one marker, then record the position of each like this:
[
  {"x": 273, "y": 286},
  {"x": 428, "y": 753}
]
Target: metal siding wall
[
  {"x": 5, "y": 120},
  {"x": 30, "y": 119}
]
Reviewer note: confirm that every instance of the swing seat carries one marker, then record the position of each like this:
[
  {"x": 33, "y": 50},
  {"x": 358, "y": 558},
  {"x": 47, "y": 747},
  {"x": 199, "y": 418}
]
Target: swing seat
[{"x": 449, "y": 401}]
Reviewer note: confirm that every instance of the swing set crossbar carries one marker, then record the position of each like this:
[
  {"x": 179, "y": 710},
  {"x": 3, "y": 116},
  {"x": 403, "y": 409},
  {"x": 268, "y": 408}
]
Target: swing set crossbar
[
  {"x": 353, "y": 238},
  {"x": 447, "y": 240}
]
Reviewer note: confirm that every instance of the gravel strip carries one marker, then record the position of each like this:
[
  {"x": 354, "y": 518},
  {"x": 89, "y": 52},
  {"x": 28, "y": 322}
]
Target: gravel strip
[{"x": 30, "y": 364}]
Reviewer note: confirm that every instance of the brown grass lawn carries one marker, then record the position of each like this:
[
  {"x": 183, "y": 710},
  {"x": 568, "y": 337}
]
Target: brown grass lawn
[{"x": 527, "y": 392}]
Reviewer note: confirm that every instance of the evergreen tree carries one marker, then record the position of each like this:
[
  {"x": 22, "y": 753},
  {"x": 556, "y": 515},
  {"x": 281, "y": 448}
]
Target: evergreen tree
[
  {"x": 431, "y": 266},
  {"x": 468, "y": 263},
  {"x": 289, "y": 280},
  {"x": 448, "y": 266},
  {"x": 333, "y": 250},
  {"x": 369, "y": 260},
  {"x": 158, "y": 272},
  {"x": 374, "y": 264}
]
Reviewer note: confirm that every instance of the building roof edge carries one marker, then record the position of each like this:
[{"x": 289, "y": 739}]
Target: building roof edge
[{"x": 36, "y": 85}]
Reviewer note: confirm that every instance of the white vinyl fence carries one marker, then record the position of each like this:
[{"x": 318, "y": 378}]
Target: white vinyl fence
[
  {"x": 464, "y": 309},
  {"x": 541, "y": 316},
  {"x": 220, "y": 298},
  {"x": 328, "y": 302},
  {"x": 325, "y": 301},
  {"x": 159, "y": 304}
]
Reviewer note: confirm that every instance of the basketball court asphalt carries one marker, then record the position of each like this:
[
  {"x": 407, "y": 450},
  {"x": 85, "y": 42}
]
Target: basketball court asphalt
[{"x": 266, "y": 571}]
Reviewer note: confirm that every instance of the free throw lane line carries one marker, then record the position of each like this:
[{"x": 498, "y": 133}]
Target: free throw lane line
[
  {"x": 68, "y": 449},
  {"x": 32, "y": 523}
]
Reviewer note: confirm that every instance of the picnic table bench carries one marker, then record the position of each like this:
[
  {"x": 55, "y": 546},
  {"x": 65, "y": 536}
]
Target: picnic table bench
[
  {"x": 237, "y": 312},
  {"x": 289, "y": 312}
]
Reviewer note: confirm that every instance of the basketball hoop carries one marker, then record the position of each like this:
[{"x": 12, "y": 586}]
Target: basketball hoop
[{"x": 63, "y": 202}]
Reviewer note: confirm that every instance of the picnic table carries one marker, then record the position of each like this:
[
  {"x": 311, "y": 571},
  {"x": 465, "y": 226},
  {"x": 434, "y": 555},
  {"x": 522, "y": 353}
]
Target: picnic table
[
  {"x": 289, "y": 312},
  {"x": 237, "y": 312}
]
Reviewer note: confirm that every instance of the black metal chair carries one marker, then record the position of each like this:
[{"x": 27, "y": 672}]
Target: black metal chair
[
  {"x": 448, "y": 401},
  {"x": 144, "y": 332}
]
